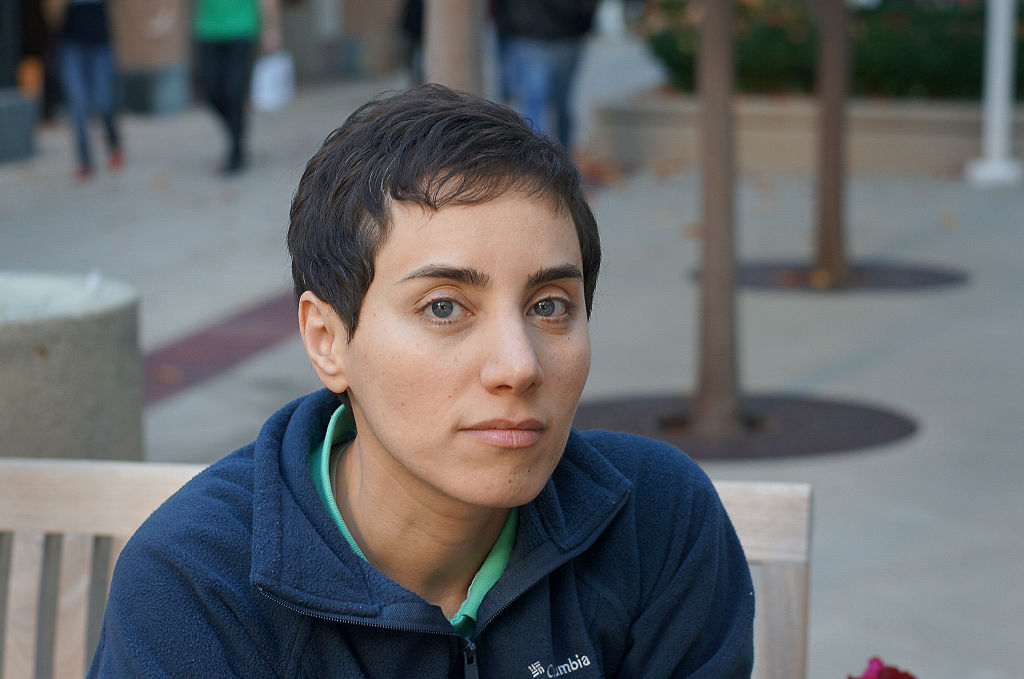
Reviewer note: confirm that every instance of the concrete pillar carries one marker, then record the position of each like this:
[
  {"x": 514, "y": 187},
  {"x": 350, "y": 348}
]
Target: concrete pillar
[
  {"x": 452, "y": 44},
  {"x": 70, "y": 370},
  {"x": 342, "y": 39},
  {"x": 996, "y": 166},
  {"x": 312, "y": 34},
  {"x": 153, "y": 39},
  {"x": 373, "y": 29}
]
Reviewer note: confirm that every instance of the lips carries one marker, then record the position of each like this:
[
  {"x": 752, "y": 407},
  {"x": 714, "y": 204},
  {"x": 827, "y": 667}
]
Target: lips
[{"x": 506, "y": 433}]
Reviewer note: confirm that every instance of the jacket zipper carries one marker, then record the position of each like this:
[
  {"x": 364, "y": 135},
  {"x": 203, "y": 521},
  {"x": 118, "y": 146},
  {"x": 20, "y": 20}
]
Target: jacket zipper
[
  {"x": 469, "y": 669},
  {"x": 553, "y": 566}
]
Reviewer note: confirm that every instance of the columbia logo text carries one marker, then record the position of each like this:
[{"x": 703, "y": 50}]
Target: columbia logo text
[{"x": 568, "y": 667}]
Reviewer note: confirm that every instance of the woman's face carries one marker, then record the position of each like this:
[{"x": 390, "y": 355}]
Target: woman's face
[{"x": 471, "y": 351}]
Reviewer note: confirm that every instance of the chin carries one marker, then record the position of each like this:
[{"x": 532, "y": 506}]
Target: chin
[{"x": 513, "y": 494}]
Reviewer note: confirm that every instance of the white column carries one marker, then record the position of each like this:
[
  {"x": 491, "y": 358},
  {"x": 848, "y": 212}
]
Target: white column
[
  {"x": 996, "y": 166},
  {"x": 610, "y": 18}
]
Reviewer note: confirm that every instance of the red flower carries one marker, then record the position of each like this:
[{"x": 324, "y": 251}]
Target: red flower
[{"x": 878, "y": 670}]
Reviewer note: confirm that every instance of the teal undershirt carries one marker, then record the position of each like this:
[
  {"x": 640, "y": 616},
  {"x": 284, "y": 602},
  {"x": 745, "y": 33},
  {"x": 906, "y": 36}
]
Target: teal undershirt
[{"x": 342, "y": 428}]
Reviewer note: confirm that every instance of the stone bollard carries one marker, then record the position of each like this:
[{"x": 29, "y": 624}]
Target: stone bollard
[{"x": 70, "y": 369}]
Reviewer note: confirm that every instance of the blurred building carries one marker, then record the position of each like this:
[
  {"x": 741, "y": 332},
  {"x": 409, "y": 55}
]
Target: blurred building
[{"x": 343, "y": 38}]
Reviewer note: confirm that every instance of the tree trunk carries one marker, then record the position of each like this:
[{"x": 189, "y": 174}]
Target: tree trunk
[
  {"x": 716, "y": 407},
  {"x": 451, "y": 44},
  {"x": 831, "y": 269}
]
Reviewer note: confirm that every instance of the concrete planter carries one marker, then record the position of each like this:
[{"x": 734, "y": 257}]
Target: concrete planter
[
  {"x": 658, "y": 130},
  {"x": 70, "y": 370}
]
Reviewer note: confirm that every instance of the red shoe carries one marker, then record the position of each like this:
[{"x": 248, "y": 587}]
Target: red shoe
[
  {"x": 83, "y": 173},
  {"x": 116, "y": 160}
]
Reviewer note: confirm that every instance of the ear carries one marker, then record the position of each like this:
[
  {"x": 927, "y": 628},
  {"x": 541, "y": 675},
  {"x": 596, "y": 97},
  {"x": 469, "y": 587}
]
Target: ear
[{"x": 325, "y": 337}]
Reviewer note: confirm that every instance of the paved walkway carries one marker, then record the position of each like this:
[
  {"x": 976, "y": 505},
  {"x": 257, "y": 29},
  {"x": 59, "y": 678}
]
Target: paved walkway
[{"x": 917, "y": 548}]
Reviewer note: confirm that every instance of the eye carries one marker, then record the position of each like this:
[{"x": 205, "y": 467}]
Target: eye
[
  {"x": 444, "y": 311},
  {"x": 551, "y": 307},
  {"x": 442, "y": 308}
]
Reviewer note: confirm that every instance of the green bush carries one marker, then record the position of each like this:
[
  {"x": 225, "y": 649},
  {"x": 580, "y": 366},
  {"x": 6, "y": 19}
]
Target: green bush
[{"x": 901, "y": 48}]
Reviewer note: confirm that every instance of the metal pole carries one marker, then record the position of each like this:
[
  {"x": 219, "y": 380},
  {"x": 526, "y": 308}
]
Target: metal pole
[
  {"x": 716, "y": 403},
  {"x": 999, "y": 32},
  {"x": 996, "y": 166}
]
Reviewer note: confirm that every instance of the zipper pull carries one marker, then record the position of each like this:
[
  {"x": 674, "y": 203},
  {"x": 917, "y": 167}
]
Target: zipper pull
[{"x": 469, "y": 670}]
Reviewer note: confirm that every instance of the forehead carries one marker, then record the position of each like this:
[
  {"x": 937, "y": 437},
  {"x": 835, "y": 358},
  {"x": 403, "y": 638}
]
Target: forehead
[{"x": 530, "y": 226}]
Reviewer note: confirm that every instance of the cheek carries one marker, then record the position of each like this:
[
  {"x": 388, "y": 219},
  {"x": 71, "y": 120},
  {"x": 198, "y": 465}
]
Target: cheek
[
  {"x": 570, "y": 364},
  {"x": 409, "y": 375}
]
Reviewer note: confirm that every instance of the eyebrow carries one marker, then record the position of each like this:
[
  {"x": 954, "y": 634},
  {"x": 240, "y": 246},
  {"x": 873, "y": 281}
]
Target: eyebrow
[
  {"x": 478, "y": 279},
  {"x": 467, "y": 276},
  {"x": 554, "y": 273}
]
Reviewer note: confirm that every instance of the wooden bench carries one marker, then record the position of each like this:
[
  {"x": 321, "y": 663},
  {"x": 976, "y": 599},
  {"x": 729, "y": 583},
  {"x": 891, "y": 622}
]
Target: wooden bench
[
  {"x": 773, "y": 521},
  {"x": 63, "y": 522},
  {"x": 94, "y": 506}
]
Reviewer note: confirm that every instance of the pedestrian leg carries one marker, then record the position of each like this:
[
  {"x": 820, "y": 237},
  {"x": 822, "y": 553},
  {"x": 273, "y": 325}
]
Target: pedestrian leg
[
  {"x": 565, "y": 57},
  {"x": 533, "y": 81},
  {"x": 237, "y": 74},
  {"x": 104, "y": 98},
  {"x": 74, "y": 78},
  {"x": 211, "y": 77}
]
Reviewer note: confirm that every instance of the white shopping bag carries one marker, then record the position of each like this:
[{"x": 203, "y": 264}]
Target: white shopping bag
[{"x": 273, "y": 81}]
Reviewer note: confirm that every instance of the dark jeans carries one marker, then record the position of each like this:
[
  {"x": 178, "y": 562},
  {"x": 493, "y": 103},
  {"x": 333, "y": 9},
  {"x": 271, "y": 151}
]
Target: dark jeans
[
  {"x": 225, "y": 67},
  {"x": 539, "y": 75},
  {"x": 87, "y": 72}
]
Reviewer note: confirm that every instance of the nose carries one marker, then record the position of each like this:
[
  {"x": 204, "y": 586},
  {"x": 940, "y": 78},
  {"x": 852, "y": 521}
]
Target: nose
[{"x": 511, "y": 362}]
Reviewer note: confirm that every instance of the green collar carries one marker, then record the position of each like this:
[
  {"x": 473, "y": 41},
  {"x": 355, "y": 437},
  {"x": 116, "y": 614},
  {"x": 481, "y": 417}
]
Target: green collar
[{"x": 342, "y": 428}]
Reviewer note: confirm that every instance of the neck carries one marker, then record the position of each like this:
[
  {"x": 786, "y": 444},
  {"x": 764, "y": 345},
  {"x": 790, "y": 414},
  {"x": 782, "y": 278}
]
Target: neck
[{"x": 431, "y": 546}]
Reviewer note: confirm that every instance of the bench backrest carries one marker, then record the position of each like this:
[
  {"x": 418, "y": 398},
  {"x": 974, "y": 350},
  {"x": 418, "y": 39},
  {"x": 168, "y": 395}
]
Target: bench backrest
[{"x": 63, "y": 523}]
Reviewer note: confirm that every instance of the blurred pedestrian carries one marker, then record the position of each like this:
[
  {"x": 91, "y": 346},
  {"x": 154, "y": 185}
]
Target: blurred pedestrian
[
  {"x": 226, "y": 33},
  {"x": 540, "y": 42},
  {"x": 86, "y": 57}
]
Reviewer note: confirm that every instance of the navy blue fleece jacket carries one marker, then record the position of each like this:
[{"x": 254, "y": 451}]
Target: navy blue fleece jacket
[{"x": 625, "y": 566}]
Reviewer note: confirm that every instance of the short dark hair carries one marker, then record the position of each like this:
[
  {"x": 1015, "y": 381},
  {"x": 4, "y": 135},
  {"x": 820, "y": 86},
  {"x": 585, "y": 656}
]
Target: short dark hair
[{"x": 431, "y": 146}]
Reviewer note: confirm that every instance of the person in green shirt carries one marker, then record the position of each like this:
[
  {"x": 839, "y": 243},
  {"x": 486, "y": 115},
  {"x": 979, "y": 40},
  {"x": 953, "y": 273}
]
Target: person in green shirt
[{"x": 226, "y": 33}]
